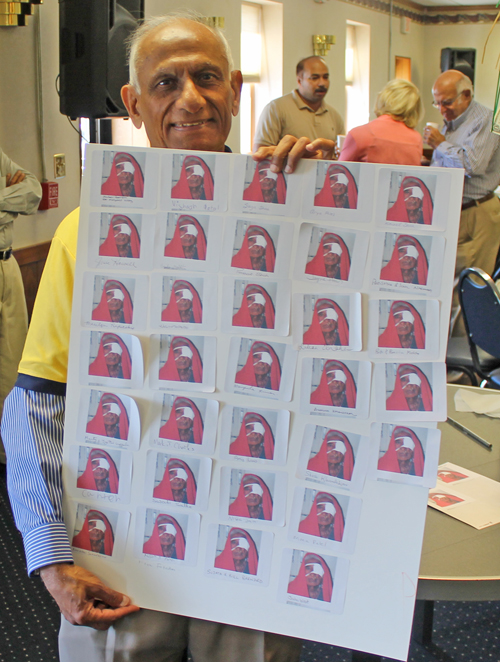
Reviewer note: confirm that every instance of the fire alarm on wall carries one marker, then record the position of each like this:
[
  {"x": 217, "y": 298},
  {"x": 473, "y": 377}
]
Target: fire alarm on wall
[{"x": 50, "y": 196}]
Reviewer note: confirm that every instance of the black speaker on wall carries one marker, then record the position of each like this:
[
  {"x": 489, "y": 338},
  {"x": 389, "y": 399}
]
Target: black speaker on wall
[
  {"x": 462, "y": 59},
  {"x": 92, "y": 55}
]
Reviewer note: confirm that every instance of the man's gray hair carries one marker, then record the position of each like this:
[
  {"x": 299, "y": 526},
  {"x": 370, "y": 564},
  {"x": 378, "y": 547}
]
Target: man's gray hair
[
  {"x": 465, "y": 83},
  {"x": 135, "y": 40}
]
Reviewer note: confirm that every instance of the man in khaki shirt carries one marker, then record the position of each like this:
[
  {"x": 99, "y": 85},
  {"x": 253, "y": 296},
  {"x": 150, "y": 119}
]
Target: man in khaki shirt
[{"x": 304, "y": 111}]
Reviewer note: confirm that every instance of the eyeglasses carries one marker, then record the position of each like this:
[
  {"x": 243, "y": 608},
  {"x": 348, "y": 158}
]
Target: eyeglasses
[{"x": 448, "y": 103}]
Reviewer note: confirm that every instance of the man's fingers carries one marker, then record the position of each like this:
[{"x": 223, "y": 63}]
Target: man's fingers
[
  {"x": 263, "y": 153},
  {"x": 322, "y": 148},
  {"x": 297, "y": 152},
  {"x": 18, "y": 177},
  {"x": 108, "y": 596}
]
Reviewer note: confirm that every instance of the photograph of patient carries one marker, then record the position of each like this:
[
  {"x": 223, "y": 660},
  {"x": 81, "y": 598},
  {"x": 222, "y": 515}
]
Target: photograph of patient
[
  {"x": 164, "y": 536},
  {"x": 255, "y": 246},
  {"x": 122, "y": 174},
  {"x": 410, "y": 200},
  {"x": 237, "y": 550},
  {"x": 120, "y": 236},
  {"x": 113, "y": 300},
  {"x": 186, "y": 237},
  {"x": 336, "y": 186},
  {"x": 192, "y": 177}
]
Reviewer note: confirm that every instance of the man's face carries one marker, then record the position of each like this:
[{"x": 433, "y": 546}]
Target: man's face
[
  {"x": 324, "y": 518},
  {"x": 328, "y": 324},
  {"x": 252, "y": 498},
  {"x": 187, "y": 92},
  {"x": 182, "y": 361},
  {"x": 330, "y": 258},
  {"x": 410, "y": 390},
  {"x": 124, "y": 177},
  {"x": 406, "y": 261},
  {"x": 187, "y": 238},
  {"x": 444, "y": 92},
  {"x": 239, "y": 553},
  {"x": 313, "y": 82},
  {"x": 255, "y": 250}
]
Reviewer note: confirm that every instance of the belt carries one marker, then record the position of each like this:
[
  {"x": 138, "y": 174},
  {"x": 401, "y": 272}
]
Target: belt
[
  {"x": 476, "y": 203},
  {"x": 4, "y": 255}
]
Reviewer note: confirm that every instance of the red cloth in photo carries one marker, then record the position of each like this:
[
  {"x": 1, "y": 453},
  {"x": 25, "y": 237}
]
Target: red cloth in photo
[
  {"x": 108, "y": 246},
  {"x": 174, "y": 246},
  {"x": 82, "y": 539},
  {"x": 389, "y": 460},
  {"x": 87, "y": 481},
  {"x": 153, "y": 544},
  {"x": 247, "y": 374},
  {"x": 171, "y": 311},
  {"x": 390, "y": 338},
  {"x": 314, "y": 334},
  {"x": 164, "y": 491},
  {"x": 298, "y": 586},
  {"x": 242, "y": 316},
  {"x": 101, "y": 311},
  {"x": 452, "y": 476},
  {"x": 170, "y": 430},
  {"x": 240, "y": 444},
  {"x": 112, "y": 187},
  {"x": 392, "y": 270},
  {"x": 324, "y": 198},
  {"x": 319, "y": 463},
  {"x": 397, "y": 401},
  {"x": 398, "y": 210},
  {"x": 98, "y": 366},
  {"x": 254, "y": 191},
  {"x": 239, "y": 506},
  {"x": 316, "y": 266},
  {"x": 181, "y": 190},
  {"x": 321, "y": 395},
  {"x": 242, "y": 260},
  {"x": 225, "y": 558},
  {"x": 310, "y": 523},
  {"x": 96, "y": 424},
  {"x": 443, "y": 500},
  {"x": 169, "y": 370}
]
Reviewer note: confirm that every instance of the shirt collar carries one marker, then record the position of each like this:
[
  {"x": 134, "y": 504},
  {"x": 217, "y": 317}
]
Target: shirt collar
[
  {"x": 301, "y": 104},
  {"x": 458, "y": 121}
]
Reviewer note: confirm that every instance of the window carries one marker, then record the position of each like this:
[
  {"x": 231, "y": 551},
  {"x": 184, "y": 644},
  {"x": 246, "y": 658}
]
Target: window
[
  {"x": 357, "y": 74},
  {"x": 261, "y": 63}
]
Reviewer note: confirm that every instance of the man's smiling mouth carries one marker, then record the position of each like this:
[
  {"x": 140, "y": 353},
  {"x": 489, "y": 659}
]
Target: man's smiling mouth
[{"x": 187, "y": 125}]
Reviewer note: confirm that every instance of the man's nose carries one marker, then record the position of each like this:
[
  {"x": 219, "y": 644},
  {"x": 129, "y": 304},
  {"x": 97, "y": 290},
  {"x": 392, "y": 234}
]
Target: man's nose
[{"x": 190, "y": 99}]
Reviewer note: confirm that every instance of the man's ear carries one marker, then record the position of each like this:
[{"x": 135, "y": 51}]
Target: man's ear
[
  {"x": 130, "y": 99},
  {"x": 236, "y": 83}
]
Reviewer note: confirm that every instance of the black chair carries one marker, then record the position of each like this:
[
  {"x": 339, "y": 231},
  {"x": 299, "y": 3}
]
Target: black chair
[{"x": 480, "y": 304}]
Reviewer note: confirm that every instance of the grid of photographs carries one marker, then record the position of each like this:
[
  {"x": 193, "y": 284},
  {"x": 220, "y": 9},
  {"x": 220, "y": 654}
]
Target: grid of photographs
[{"x": 246, "y": 382}]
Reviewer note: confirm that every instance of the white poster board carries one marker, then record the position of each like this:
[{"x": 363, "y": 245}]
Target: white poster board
[{"x": 253, "y": 357}]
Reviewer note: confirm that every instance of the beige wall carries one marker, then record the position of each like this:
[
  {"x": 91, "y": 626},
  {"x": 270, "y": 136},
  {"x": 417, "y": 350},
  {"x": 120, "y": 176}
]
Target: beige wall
[{"x": 301, "y": 18}]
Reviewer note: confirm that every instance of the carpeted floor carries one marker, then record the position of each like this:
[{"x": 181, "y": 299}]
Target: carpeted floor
[{"x": 29, "y": 618}]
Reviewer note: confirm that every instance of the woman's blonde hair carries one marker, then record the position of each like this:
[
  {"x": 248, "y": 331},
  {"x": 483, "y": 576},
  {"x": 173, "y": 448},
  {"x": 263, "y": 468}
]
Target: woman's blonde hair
[{"x": 401, "y": 100}]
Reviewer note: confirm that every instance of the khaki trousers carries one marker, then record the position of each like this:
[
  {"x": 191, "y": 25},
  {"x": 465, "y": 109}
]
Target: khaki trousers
[
  {"x": 478, "y": 244},
  {"x": 153, "y": 636},
  {"x": 13, "y": 328}
]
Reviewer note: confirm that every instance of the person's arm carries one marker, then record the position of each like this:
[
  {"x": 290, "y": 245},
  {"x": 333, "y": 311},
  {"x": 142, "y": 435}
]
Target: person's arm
[
  {"x": 473, "y": 154},
  {"x": 20, "y": 191},
  {"x": 268, "y": 132}
]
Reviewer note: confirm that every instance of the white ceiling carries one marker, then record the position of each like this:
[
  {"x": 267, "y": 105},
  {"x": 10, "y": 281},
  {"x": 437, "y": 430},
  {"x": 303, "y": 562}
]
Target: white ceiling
[{"x": 456, "y": 3}]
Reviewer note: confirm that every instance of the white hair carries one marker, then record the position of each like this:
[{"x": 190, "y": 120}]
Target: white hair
[
  {"x": 135, "y": 40},
  {"x": 465, "y": 83}
]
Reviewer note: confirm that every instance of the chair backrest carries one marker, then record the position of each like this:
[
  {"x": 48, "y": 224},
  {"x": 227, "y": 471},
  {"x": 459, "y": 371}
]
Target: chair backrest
[{"x": 480, "y": 303}]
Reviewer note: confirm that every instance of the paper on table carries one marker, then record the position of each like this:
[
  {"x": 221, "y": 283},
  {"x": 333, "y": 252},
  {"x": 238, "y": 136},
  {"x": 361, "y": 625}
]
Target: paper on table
[
  {"x": 480, "y": 403},
  {"x": 466, "y": 496}
]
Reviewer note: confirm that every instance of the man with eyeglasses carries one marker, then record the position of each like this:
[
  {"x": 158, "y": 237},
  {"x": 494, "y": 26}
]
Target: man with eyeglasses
[{"x": 466, "y": 141}]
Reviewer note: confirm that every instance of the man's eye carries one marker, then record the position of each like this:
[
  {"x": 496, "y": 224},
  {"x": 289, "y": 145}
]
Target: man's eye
[{"x": 166, "y": 82}]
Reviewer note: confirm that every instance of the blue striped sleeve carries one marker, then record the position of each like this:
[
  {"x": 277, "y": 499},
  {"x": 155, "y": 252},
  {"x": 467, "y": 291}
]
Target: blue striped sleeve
[{"x": 32, "y": 432}]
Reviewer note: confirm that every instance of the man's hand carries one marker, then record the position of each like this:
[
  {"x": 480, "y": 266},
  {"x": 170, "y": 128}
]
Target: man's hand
[
  {"x": 16, "y": 178},
  {"x": 83, "y": 598},
  {"x": 287, "y": 153},
  {"x": 433, "y": 137}
]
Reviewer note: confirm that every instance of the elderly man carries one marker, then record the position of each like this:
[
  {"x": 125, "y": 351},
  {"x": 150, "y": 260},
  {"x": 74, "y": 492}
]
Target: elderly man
[
  {"x": 183, "y": 90},
  {"x": 303, "y": 112},
  {"x": 466, "y": 141}
]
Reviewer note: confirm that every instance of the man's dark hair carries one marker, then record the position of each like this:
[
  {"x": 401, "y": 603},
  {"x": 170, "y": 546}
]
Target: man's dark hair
[{"x": 300, "y": 66}]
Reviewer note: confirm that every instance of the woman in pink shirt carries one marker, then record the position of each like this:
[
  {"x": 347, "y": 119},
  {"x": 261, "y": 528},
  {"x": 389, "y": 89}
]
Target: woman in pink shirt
[{"x": 391, "y": 138}]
